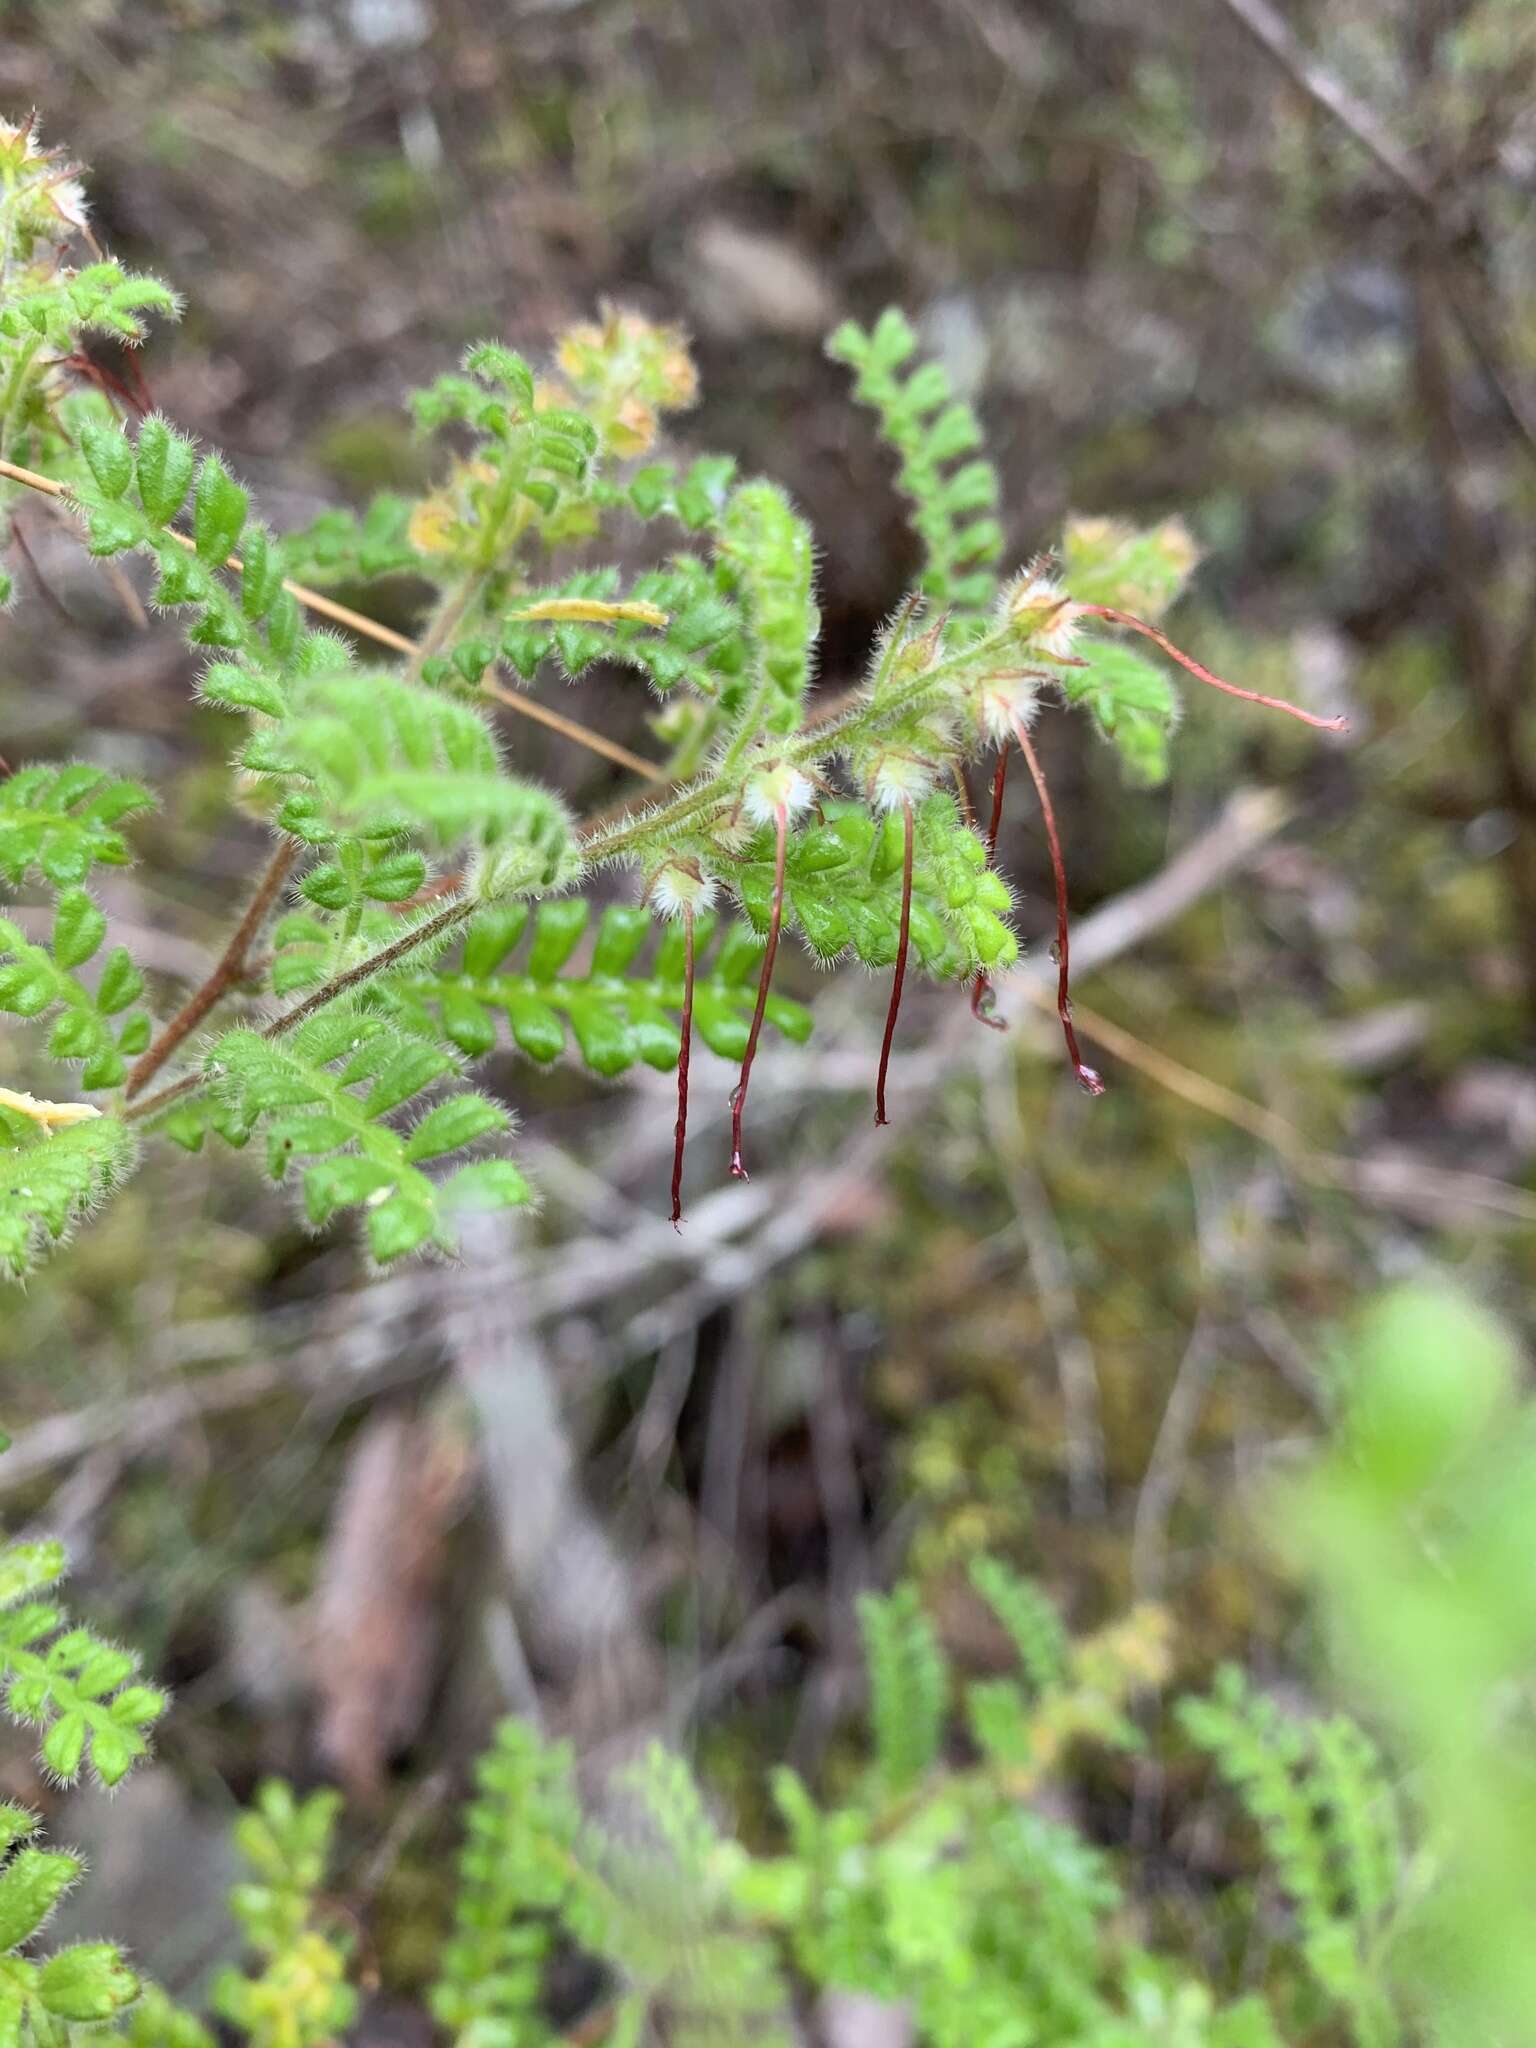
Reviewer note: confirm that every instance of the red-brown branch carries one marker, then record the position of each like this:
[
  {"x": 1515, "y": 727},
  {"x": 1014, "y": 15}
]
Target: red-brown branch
[
  {"x": 775, "y": 920},
  {"x": 1203, "y": 674},
  {"x": 1088, "y": 1078},
  {"x": 900, "y": 974},
  {"x": 231, "y": 969},
  {"x": 681, "y": 1133}
]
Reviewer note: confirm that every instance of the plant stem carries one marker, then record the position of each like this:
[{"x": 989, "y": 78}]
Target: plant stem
[
  {"x": 1202, "y": 673},
  {"x": 900, "y": 974},
  {"x": 365, "y": 970},
  {"x": 230, "y": 970},
  {"x": 681, "y": 1131},
  {"x": 776, "y": 919},
  {"x": 983, "y": 1000},
  {"x": 1088, "y": 1078}
]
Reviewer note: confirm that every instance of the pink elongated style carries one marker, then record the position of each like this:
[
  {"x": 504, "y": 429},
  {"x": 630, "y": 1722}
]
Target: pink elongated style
[
  {"x": 680, "y": 1138},
  {"x": 765, "y": 976},
  {"x": 1088, "y": 1078},
  {"x": 900, "y": 974},
  {"x": 1201, "y": 673},
  {"x": 983, "y": 995}
]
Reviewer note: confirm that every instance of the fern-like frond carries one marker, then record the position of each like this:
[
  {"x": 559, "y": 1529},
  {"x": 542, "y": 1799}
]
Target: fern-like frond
[
  {"x": 1328, "y": 1826},
  {"x": 322, "y": 1096},
  {"x": 375, "y": 758},
  {"x": 80, "y": 1693},
  {"x": 61, "y": 822},
  {"x": 52, "y": 1178},
  {"x": 842, "y": 889},
  {"x": 45, "y": 2000},
  {"x": 908, "y": 1686},
  {"x": 952, "y": 489},
  {"x": 766, "y": 549},
  {"x": 617, "y": 1008},
  {"x": 676, "y": 624},
  {"x": 298, "y": 1996},
  {"x": 1031, "y": 1618},
  {"x": 515, "y": 1870},
  {"x": 38, "y": 981}
]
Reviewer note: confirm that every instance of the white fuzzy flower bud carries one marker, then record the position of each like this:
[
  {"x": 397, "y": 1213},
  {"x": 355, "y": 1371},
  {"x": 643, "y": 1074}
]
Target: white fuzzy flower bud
[
  {"x": 1037, "y": 607},
  {"x": 771, "y": 790},
  {"x": 897, "y": 780},
  {"x": 1002, "y": 703},
  {"x": 679, "y": 886}
]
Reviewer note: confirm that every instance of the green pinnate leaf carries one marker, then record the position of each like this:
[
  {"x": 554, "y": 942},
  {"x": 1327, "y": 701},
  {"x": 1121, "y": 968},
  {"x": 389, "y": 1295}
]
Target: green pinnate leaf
[
  {"x": 31, "y": 1885},
  {"x": 78, "y": 928},
  {"x": 108, "y": 457},
  {"x": 25, "y": 1568},
  {"x": 63, "y": 1747},
  {"x": 460, "y": 1121},
  {"x": 121, "y": 984},
  {"x": 487, "y": 1184},
  {"x": 232, "y": 687},
  {"x": 164, "y": 462},
  {"x": 218, "y": 512},
  {"x": 87, "y": 1984},
  {"x": 48, "y": 1184}
]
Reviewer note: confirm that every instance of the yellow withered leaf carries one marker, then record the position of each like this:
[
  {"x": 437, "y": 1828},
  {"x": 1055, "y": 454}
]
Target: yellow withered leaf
[
  {"x": 53, "y": 1116},
  {"x": 594, "y": 611}
]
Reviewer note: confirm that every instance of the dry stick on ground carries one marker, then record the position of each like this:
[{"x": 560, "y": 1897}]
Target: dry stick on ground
[
  {"x": 1449, "y": 234},
  {"x": 596, "y": 1269}
]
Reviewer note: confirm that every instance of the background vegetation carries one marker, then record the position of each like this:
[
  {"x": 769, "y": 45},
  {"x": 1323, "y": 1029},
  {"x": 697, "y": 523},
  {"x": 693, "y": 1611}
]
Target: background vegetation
[{"x": 635, "y": 1483}]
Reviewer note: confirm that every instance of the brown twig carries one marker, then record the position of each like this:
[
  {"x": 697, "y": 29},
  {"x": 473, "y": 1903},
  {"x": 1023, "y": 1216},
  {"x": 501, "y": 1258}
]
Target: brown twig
[
  {"x": 386, "y": 636},
  {"x": 231, "y": 968}
]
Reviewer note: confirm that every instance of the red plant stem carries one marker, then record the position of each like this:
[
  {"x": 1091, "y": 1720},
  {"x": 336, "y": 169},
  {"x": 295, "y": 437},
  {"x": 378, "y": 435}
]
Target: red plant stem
[
  {"x": 229, "y": 972},
  {"x": 901, "y": 962},
  {"x": 1203, "y": 674},
  {"x": 682, "y": 1070},
  {"x": 999, "y": 784},
  {"x": 982, "y": 997},
  {"x": 776, "y": 918},
  {"x": 1088, "y": 1078}
]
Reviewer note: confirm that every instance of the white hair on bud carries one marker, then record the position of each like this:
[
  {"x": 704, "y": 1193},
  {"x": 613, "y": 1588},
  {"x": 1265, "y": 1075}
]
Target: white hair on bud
[
  {"x": 1037, "y": 605},
  {"x": 676, "y": 889},
  {"x": 898, "y": 780},
  {"x": 773, "y": 790},
  {"x": 1004, "y": 702}
]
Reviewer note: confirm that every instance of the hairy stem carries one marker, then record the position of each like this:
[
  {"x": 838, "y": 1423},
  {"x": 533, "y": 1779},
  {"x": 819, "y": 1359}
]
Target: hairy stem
[
  {"x": 775, "y": 920},
  {"x": 231, "y": 968},
  {"x": 1088, "y": 1078},
  {"x": 681, "y": 1131},
  {"x": 900, "y": 974},
  {"x": 1202, "y": 673},
  {"x": 365, "y": 970}
]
